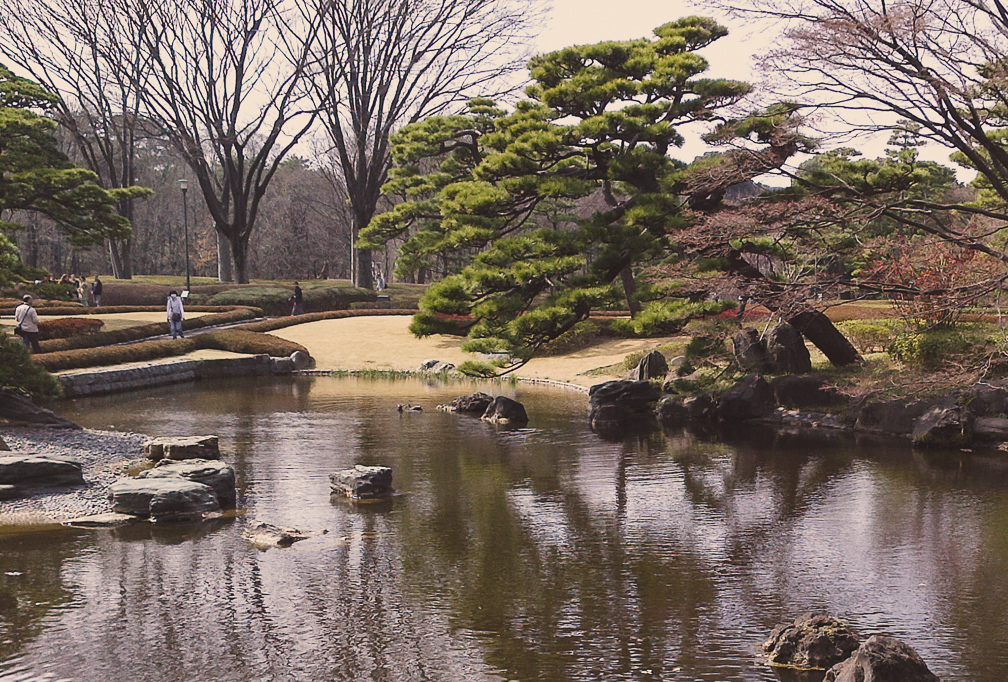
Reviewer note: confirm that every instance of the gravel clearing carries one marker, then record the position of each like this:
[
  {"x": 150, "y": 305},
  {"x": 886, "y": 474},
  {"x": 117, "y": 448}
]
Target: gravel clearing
[{"x": 104, "y": 455}]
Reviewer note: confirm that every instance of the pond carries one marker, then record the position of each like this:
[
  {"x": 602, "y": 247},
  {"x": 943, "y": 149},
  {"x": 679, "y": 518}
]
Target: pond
[{"x": 542, "y": 553}]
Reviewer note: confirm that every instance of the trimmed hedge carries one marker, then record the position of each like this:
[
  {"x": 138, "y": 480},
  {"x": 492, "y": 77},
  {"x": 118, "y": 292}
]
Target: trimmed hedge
[
  {"x": 144, "y": 331},
  {"x": 292, "y": 320},
  {"x": 41, "y": 304},
  {"x": 234, "y": 340},
  {"x": 276, "y": 300},
  {"x": 112, "y": 309},
  {"x": 67, "y": 327}
]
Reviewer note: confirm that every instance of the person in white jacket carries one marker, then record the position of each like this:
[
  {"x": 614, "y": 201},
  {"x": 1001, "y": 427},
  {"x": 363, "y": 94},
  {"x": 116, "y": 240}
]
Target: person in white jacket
[
  {"x": 27, "y": 320},
  {"x": 176, "y": 313}
]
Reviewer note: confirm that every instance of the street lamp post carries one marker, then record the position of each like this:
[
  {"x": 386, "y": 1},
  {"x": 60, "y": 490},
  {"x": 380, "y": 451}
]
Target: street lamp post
[{"x": 184, "y": 185}]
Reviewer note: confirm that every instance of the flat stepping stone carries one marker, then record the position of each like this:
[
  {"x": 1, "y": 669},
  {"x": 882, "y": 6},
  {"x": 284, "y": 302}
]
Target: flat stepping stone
[
  {"x": 183, "y": 447},
  {"x": 107, "y": 520},
  {"x": 159, "y": 499},
  {"x": 8, "y": 492},
  {"x": 362, "y": 482},
  {"x": 39, "y": 470},
  {"x": 214, "y": 473}
]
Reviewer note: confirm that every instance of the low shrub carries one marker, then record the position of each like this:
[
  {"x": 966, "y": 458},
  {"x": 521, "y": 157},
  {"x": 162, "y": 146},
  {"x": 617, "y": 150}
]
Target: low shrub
[
  {"x": 870, "y": 336},
  {"x": 930, "y": 348},
  {"x": 250, "y": 343},
  {"x": 44, "y": 306},
  {"x": 17, "y": 370},
  {"x": 67, "y": 327}
]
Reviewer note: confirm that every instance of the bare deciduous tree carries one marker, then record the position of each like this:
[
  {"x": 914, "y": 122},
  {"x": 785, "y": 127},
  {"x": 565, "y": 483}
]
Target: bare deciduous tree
[
  {"x": 386, "y": 63},
  {"x": 225, "y": 81},
  {"x": 55, "y": 42}
]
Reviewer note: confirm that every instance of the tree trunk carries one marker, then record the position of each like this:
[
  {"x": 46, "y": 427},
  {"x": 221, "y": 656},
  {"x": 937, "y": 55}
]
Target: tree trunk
[
  {"x": 819, "y": 329},
  {"x": 239, "y": 252},
  {"x": 224, "y": 268},
  {"x": 630, "y": 289},
  {"x": 119, "y": 258},
  {"x": 362, "y": 277}
]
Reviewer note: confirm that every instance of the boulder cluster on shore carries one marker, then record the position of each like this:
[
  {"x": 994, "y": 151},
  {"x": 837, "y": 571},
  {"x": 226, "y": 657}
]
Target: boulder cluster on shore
[{"x": 959, "y": 419}]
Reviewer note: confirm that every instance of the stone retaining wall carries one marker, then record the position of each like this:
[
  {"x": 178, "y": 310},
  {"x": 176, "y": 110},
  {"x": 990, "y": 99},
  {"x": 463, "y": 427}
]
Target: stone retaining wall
[{"x": 119, "y": 379}]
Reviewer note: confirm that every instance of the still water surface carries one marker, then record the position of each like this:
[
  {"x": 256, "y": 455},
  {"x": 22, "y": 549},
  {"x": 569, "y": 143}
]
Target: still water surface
[{"x": 544, "y": 553}]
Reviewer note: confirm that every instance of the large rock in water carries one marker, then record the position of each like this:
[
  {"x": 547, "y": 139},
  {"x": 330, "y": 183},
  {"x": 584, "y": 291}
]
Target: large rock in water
[
  {"x": 786, "y": 351},
  {"x": 214, "y": 473},
  {"x": 504, "y": 410},
  {"x": 17, "y": 409},
  {"x": 163, "y": 499},
  {"x": 882, "y": 659},
  {"x": 750, "y": 398},
  {"x": 805, "y": 391},
  {"x": 615, "y": 405},
  {"x": 652, "y": 366},
  {"x": 38, "y": 470},
  {"x": 362, "y": 482},
  {"x": 183, "y": 447},
  {"x": 811, "y": 641},
  {"x": 477, "y": 404}
]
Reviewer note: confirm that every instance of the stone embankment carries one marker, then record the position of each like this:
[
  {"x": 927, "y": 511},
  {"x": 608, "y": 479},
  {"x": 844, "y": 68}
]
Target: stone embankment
[{"x": 117, "y": 379}]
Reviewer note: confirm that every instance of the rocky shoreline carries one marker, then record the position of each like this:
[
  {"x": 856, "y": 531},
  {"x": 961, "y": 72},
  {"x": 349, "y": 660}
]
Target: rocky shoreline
[{"x": 104, "y": 456}]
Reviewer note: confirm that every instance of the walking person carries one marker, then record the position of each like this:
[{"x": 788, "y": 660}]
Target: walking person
[
  {"x": 176, "y": 313},
  {"x": 27, "y": 324},
  {"x": 96, "y": 289},
  {"x": 298, "y": 300}
]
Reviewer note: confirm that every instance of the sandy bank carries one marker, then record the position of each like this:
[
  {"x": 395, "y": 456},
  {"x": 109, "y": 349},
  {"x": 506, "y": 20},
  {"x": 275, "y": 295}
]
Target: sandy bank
[{"x": 384, "y": 343}]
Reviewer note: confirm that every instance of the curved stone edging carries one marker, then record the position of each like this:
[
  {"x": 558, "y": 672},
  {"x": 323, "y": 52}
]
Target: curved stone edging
[{"x": 119, "y": 379}]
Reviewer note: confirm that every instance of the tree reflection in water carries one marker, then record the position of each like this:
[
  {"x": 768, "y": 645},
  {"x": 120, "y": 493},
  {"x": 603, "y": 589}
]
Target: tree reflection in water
[{"x": 536, "y": 553}]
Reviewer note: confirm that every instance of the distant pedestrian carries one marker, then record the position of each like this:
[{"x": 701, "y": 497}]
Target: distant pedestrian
[
  {"x": 96, "y": 289},
  {"x": 176, "y": 313},
  {"x": 297, "y": 299},
  {"x": 27, "y": 324},
  {"x": 82, "y": 291}
]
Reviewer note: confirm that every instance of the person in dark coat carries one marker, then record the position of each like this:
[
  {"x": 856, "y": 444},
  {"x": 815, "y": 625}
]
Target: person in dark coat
[
  {"x": 96, "y": 290},
  {"x": 297, "y": 299}
]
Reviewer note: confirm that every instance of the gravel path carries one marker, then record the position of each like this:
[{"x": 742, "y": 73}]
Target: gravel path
[{"x": 103, "y": 454}]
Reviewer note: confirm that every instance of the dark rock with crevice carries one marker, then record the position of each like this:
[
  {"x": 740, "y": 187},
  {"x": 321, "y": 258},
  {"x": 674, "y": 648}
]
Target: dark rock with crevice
[
  {"x": 882, "y": 659},
  {"x": 896, "y": 416},
  {"x": 651, "y": 366},
  {"x": 750, "y": 351},
  {"x": 813, "y": 641},
  {"x": 944, "y": 426},
  {"x": 362, "y": 482},
  {"x": 786, "y": 351}
]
